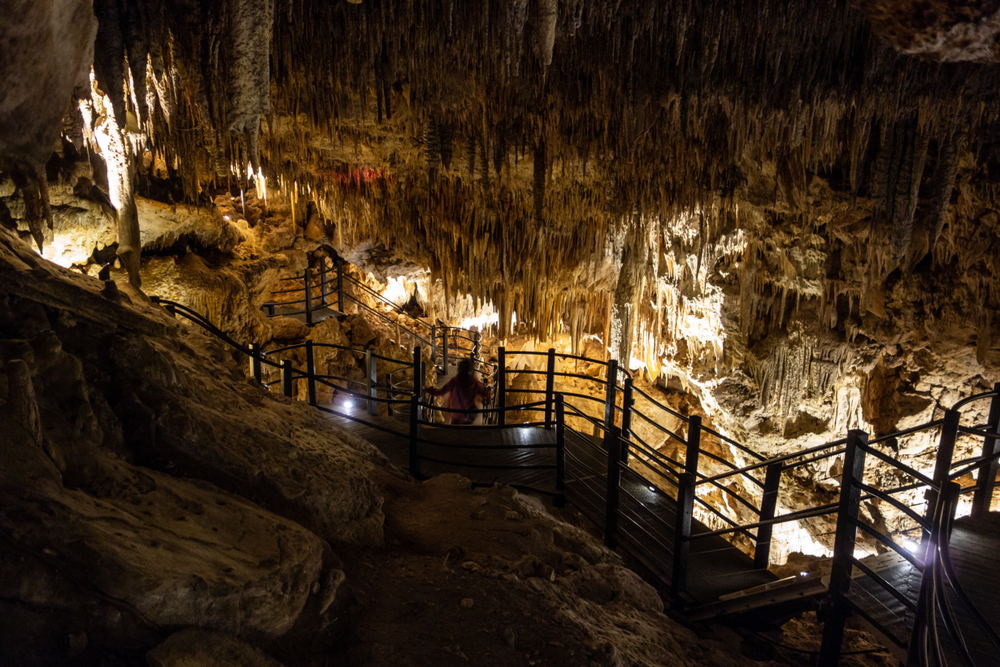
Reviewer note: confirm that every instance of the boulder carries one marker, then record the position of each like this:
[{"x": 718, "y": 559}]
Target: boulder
[
  {"x": 230, "y": 295},
  {"x": 280, "y": 237},
  {"x": 359, "y": 331},
  {"x": 314, "y": 228},
  {"x": 162, "y": 550},
  {"x": 288, "y": 328}
]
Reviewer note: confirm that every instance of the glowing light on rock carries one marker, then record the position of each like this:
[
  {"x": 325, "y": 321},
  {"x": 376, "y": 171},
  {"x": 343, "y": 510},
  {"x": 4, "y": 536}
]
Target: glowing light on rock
[
  {"x": 395, "y": 290},
  {"x": 480, "y": 322}
]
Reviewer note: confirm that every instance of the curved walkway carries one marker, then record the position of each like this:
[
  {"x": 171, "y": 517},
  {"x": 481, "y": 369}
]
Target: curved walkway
[{"x": 911, "y": 601}]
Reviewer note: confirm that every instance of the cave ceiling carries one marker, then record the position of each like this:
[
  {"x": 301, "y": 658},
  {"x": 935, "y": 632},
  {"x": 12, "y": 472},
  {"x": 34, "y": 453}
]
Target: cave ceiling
[{"x": 541, "y": 154}]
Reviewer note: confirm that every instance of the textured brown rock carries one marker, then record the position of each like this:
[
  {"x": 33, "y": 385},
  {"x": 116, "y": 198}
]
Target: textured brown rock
[
  {"x": 287, "y": 328},
  {"x": 201, "y": 648},
  {"x": 49, "y": 47},
  {"x": 944, "y": 30},
  {"x": 169, "y": 418}
]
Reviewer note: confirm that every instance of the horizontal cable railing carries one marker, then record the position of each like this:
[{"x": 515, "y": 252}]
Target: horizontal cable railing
[{"x": 602, "y": 472}]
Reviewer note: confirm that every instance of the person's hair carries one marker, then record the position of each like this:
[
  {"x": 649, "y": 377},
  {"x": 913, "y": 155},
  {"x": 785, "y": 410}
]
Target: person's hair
[{"x": 465, "y": 368}]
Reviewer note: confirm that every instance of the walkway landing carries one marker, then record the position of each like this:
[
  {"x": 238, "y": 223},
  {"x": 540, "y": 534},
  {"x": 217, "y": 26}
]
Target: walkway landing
[{"x": 468, "y": 451}]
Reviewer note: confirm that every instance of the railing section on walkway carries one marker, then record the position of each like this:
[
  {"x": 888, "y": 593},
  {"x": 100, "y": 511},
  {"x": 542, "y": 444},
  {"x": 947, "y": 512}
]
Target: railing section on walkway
[{"x": 601, "y": 464}]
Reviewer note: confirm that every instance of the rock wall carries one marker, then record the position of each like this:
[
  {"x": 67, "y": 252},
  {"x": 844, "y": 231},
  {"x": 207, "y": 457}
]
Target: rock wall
[{"x": 125, "y": 437}]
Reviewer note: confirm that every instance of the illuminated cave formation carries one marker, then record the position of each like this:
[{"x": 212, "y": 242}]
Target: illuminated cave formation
[{"x": 778, "y": 217}]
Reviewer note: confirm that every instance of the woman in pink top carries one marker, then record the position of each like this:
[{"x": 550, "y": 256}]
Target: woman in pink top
[{"x": 462, "y": 391}]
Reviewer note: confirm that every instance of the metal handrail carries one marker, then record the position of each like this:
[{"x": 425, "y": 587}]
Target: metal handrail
[{"x": 651, "y": 459}]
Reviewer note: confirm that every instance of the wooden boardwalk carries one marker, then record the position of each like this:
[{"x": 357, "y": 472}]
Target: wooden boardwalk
[
  {"x": 975, "y": 544},
  {"x": 516, "y": 456}
]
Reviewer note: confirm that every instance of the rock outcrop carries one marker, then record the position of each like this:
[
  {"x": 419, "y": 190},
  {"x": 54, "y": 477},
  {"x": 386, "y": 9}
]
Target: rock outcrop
[{"x": 107, "y": 403}]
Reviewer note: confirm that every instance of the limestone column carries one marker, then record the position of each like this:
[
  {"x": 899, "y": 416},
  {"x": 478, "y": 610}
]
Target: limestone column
[{"x": 121, "y": 183}]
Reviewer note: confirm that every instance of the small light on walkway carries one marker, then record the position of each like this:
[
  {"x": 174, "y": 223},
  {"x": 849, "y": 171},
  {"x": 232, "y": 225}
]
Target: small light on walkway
[{"x": 911, "y": 546}]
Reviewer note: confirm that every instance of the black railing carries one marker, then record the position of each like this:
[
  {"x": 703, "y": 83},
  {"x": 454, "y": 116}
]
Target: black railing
[
  {"x": 600, "y": 472},
  {"x": 326, "y": 287}
]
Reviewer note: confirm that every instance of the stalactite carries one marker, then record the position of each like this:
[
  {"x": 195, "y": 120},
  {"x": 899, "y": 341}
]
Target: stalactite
[
  {"x": 34, "y": 192},
  {"x": 432, "y": 148},
  {"x": 538, "y": 190},
  {"x": 943, "y": 182},
  {"x": 249, "y": 86},
  {"x": 907, "y": 187},
  {"x": 470, "y": 155},
  {"x": 109, "y": 52},
  {"x": 548, "y": 17}
]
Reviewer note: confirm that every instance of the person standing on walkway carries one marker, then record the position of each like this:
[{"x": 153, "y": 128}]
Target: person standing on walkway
[{"x": 462, "y": 391}]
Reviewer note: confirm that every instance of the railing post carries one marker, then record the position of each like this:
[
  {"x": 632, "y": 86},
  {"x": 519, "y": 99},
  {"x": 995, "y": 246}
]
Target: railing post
[
  {"x": 610, "y": 393},
  {"x": 414, "y": 436},
  {"x": 434, "y": 345},
  {"x": 418, "y": 382},
  {"x": 270, "y": 309},
  {"x": 255, "y": 369},
  {"x": 372, "y": 365},
  {"x": 560, "y": 499},
  {"x": 693, "y": 445},
  {"x": 550, "y": 377},
  {"x": 843, "y": 548},
  {"x": 286, "y": 377},
  {"x": 323, "y": 289},
  {"x": 501, "y": 386},
  {"x": 308, "y": 289},
  {"x": 477, "y": 344},
  {"x": 982, "y": 499},
  {"x": 310, "y": 372},
  {"x": 341, "y": 305},
  {"x": 948, "y": 499},
  {"x": 612, "y": 442},
  {"x": 424, "y": 414},
  {"x": 444, "y": 351},
  {"x": 942, "y": 463},
  {"x": 627, "y": 402},
  {"x": 682, "y": 538},
  {"x": 768, "y": 505},
  {"x": 685, "y": 512}
]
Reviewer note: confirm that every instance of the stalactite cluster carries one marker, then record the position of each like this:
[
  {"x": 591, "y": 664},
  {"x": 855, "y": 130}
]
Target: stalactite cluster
[{"x": 564, "y": 117}]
